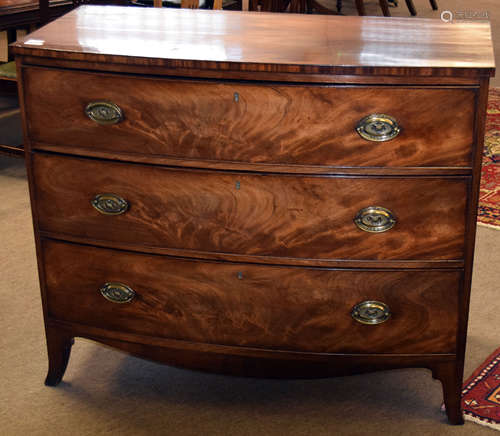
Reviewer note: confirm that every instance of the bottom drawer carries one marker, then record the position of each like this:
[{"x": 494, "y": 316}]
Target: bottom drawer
[{"x": 288, "y": 308}]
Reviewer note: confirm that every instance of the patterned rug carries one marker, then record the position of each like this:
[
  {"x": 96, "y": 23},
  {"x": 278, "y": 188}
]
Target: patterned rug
[
  {"x": 481, "y": 393},
  {"x": 489, "y": 195}
]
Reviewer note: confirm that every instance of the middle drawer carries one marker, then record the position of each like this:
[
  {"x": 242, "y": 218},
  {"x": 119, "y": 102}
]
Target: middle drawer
[{"x": 309, "y": 217}]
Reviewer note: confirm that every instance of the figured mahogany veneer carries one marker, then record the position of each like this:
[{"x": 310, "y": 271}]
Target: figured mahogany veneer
[
  {"x": 287, "y": 124},
  {"x": 252, "y": 214},
  {"x": 248, "y": 41},
  {"x": 284, "y": 308},
  {"x": 239, "y": 173}
]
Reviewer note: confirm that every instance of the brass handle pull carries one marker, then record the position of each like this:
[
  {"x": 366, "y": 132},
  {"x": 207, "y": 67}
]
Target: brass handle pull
[
  {"x": 117, "y": 293},
  {"x": 375, "y": 219},
  {"x": 109, "y": 204},
  {"x": 104, "y": 112},
  {"x": 371, "y": 312},
  {"x": 378, "y": 128}
]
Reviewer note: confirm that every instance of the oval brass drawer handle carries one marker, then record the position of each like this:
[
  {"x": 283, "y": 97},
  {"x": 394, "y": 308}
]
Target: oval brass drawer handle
[
  {"x": 378, "y": 128},
  {"x": 104, "y": 112},
  {"x": 371, "y": 312},
  {"x": 110, "y": 204},
  {"x": 375, "y": 219},
  {"x": 117, "y": 293}
]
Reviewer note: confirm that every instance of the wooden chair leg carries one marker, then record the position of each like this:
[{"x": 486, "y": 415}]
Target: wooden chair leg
[
  {"x": 384, "y": 5},
  {"x": 434, "y": 5},
  {"x": 360, "y": 6},
  {"x": 411, "y": 7},
  {"x": 58, "y": 348}
]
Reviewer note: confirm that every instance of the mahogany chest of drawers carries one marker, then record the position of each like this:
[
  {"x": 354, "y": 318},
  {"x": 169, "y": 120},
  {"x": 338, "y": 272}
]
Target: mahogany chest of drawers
[{"x": 257, "y": 194}]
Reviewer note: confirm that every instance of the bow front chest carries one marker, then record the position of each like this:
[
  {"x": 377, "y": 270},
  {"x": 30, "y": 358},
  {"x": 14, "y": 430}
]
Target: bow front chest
[{"x": 258, "y": 194}]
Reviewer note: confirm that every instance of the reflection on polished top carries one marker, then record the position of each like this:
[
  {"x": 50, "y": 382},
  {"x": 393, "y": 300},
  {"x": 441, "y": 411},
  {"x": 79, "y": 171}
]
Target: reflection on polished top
[{"x": 263, "y": 41}]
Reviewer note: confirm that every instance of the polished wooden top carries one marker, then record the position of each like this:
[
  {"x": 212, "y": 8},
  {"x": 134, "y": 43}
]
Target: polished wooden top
[{"x": 252, "y": 41}]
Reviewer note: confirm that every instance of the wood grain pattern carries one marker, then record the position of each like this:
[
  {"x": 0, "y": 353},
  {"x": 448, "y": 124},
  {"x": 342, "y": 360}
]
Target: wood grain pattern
[
  {"x": 307, "y": 125},
  {"x": 247, "y": 361},
  {"x": 300, "y": 43},
  {"x": 259, "y": 214},
  {"x": 283, "y": 176},
  {"x": 252, "y": 167},
  {"x": 267, "y": 260},
  {"x": 246, "y": 305},
  {"x": 29, "y": 61},
  {"x": 259, "y": 362}
]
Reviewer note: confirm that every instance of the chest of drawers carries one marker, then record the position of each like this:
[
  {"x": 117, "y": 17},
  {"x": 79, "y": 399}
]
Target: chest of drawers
[{"x": 256, "y": 194}]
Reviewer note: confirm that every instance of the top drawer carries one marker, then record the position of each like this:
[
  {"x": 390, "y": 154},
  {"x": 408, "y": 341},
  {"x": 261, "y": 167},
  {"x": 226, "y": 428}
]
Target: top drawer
[{"x": 242, "y": 122}]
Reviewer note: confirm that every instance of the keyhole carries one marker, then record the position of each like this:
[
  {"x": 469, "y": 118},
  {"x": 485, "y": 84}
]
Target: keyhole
[
  {"x": 240, "y": 275},
  {"x": 238, "y": 184},
  {"x": 236, "y": 97}
]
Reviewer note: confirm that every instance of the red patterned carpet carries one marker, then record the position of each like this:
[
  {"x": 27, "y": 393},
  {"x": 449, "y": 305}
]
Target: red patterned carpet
[
  {"x": 481, "y": 393},
  {"x": 489, "y": 195}
]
